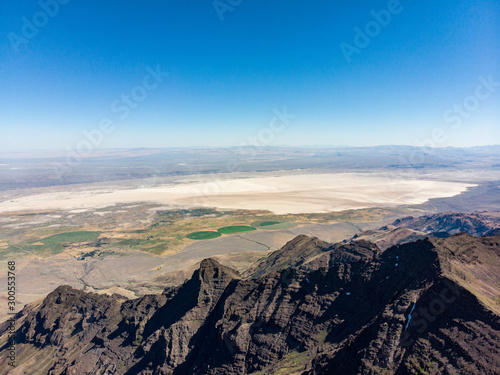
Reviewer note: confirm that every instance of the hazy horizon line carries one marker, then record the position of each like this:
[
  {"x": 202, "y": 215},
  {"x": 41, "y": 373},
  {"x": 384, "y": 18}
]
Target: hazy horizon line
[{"x": 204, "y": 147}]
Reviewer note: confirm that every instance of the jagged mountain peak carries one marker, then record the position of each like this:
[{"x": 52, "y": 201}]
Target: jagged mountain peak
[
  {"x": 211, "y": 270},
  {"x": 211, "y": 267},
  {"x": 303, "y": 240},
  {"x": 294, "y": 253}
]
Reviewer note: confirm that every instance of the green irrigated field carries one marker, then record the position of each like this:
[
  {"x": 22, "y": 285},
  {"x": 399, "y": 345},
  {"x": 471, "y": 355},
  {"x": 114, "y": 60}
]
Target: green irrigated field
[
  {"x": 273, "y": 224},
  {"x": 267, "y": 223},
  {"x": 235, "y": 229},
  {"x": 50, "y": 245},
  {"x": 203, "y": 235},
  {"x": 70, "y": 237}
]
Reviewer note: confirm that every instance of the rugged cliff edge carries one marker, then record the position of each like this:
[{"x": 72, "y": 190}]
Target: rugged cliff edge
[{"x": 430, "y": 306}]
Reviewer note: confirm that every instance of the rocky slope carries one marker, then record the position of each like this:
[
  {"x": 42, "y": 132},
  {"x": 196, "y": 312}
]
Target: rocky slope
[
  {"x": 389, "y": 236},
  {"x": 430, "y": 306}
]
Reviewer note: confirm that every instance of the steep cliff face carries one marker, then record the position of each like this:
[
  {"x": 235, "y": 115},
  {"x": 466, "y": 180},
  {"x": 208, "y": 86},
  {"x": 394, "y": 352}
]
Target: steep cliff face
[{"x": 428, "y": 306}]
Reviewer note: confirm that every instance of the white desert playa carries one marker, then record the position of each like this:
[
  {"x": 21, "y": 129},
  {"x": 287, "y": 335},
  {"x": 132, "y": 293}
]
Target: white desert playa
[{"x": 305, "y": 193}]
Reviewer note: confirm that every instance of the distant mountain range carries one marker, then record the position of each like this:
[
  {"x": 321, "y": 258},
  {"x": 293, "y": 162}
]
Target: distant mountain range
[
  {"x": 428, "y": 306},
  {"x": 444, "y": 224},
  {"x": 63, "y": 167}
]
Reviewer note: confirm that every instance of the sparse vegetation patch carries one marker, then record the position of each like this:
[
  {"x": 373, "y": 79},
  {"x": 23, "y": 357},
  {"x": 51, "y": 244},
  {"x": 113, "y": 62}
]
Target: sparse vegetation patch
[{"x": 70, "y": 237}]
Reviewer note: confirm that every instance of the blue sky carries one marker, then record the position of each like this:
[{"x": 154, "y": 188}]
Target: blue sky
[{"x": 227, "y": 77}]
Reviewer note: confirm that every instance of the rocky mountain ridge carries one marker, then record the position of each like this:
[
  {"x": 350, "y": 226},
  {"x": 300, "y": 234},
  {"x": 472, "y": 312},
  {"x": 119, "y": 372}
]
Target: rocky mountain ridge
[
  {"x": 430, "y": 306},
  {"x": 441, "y": 225}
]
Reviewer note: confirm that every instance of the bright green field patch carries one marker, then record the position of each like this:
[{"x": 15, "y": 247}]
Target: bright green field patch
[
  {"x": 69, "y": 237},
  {"x": 203, "y": 235},
  {"x": 273, "y": 225},
  {"x": 267, "y": 223},
  {"x": 235, "y": 229}
]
